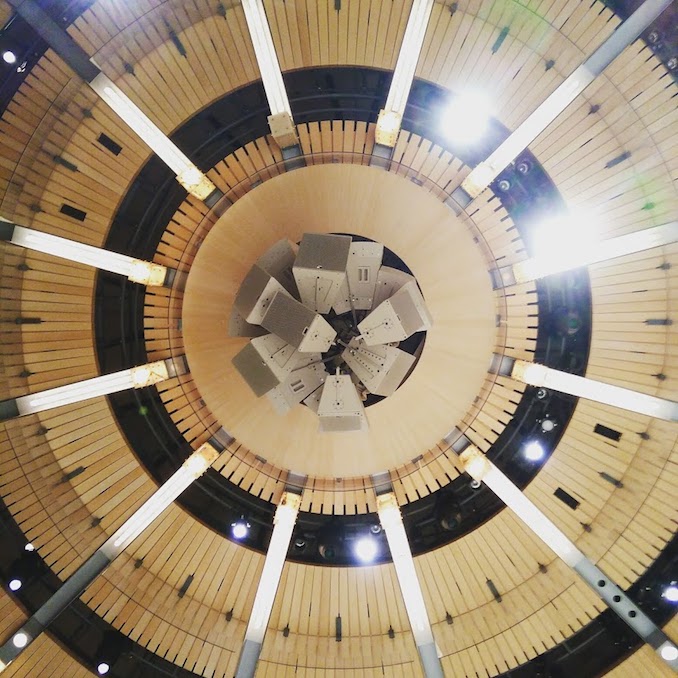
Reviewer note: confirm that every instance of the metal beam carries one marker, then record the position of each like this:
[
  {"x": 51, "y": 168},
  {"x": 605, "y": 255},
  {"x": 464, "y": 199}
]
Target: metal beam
[
  {"x": 189, "y": 471},
  {"x": 479, "y": 467},
  {"x": 481, "y": 177}
]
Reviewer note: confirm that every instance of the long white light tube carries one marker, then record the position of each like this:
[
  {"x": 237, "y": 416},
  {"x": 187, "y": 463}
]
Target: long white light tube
[
  {"x": 143, "y": 272},
  {"x": 392, "y": 522},
  {"x": 135, "y": 377},
  {"x": 480, "y": 468},
  {"x": 188, "y": 175},
  {"x": 264, "y": 50},
  {"x": 189, "y": 471},
  {"x": 583, "y": 387},
  {"x": 410, "y": 50},
  {"x": 541, "y": 266},
  {"x": 283, "y": 525}
]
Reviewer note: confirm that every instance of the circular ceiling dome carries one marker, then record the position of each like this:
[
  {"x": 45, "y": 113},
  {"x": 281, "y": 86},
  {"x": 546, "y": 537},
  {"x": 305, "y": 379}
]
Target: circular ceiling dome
[
  {"x": 442, "y": 255},
  {"x": 179, "y": 600}
]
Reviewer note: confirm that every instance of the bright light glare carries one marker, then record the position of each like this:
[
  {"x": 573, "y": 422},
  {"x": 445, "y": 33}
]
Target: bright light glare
[
  {"x": 534, "y": 451},
  {"x": 669, "y": 652},
  {"x": 366, "y": 549},
  {"x": 15, "y": 584},
  {"x": 9, "y": 57},
  {"x": 103, "y": 668},
  {"x": 240, "y": 529},
  {"x": 563, "y": 236},
  {"x": 29, "y": 547},
  {"x": 20, "y": 639},
  {"x": 671, "y": 593},
  {"x": 466, "y": 118}
]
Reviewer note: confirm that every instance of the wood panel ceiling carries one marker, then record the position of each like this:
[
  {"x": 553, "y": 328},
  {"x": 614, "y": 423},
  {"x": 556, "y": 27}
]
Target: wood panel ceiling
[{"x": 623, "y": 529}]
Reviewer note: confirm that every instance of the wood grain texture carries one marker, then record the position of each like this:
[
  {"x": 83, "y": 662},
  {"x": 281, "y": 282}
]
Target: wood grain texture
[
  {"x": 629, "y": 525},
  {"x": 441, "y": 255}
]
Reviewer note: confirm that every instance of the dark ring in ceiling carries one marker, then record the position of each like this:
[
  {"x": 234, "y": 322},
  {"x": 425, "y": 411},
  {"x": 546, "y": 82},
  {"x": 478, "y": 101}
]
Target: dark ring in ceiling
[{"x": 153, "y": 198}]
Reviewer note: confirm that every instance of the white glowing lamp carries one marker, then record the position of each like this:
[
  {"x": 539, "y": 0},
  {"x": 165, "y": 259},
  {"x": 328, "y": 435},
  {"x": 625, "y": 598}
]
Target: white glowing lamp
[
  {"x": 188, "y": 175},
  {"x": 563, "y": 237},
  {"x": 189, "y": 471},
  {"x": 136, "y": 377},
  {"x": 466, "y": 118},
  {"x": 143, "y": 272},
  {"x": 283, "y": 525},
  {"x": 668, "y": 652},
  {"x": 591, "y": 389}
]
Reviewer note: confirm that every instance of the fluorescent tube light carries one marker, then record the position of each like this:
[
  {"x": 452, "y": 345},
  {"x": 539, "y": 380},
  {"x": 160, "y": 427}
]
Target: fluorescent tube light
[{"x": 583, "y": 387}]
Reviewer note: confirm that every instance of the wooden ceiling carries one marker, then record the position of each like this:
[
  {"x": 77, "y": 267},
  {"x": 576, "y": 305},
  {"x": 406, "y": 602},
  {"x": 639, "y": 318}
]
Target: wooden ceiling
[{"x": 621, "y": 528}]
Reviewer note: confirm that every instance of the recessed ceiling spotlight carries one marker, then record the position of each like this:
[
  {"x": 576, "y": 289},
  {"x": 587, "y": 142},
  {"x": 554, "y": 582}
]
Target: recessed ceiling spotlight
[
  {"x": 534, "y": 451},
  {"x": 103, "y": 668},
  {"x": 20, "y": 639},
  {"x": 547, "y": 425},
  {"x": 15, "y": 584},
  {"x": 466, "y": 118},
  {"x": 240, "y": 529},
  {"x": 29, "y": 547},
  {"x": 366, "y": 549},
  {"x": 669, "y": 652},
  {"x": 671, "y": 593},
  {"x": 9, "y": 57}
]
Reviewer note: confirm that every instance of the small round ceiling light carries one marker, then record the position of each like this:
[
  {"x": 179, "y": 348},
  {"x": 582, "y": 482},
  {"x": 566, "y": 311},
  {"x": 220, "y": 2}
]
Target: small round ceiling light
[
  {"x": 669, "y": 652},
  {"x": 20, "y": 639},
  {"x": 15, "y": 584},
  {"x": 534, "y": 451},
  {"x": 103, "y": 669},
  {"x": 366, "y": 549},
  {"x": 240, "y": 529},
  {"x": 9, "y": 57}
]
